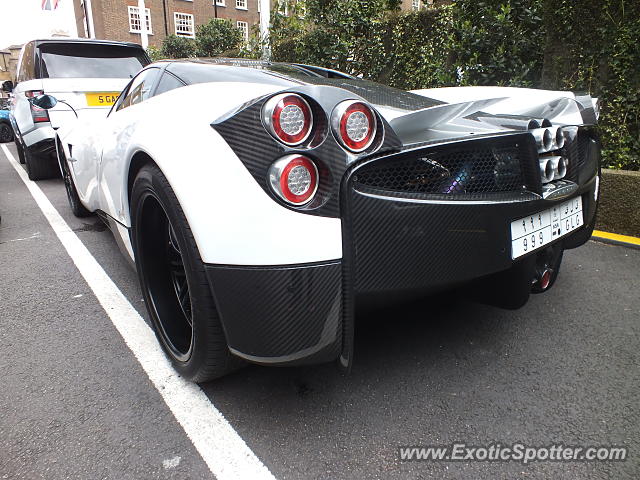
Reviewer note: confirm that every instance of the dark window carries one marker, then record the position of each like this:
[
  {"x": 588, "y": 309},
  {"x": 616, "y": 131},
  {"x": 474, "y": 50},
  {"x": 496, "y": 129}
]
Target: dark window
[
  {"x": 140, "y": 88},
  {"x": 76, "y": 60},
  {"x": 194, "y": 72},
  {"x": 168, "y": 82}
]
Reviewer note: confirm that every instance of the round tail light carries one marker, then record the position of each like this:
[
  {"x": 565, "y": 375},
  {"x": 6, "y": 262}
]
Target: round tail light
[
  {"x": 294, "y": 178},
  {"x": 288, "y": 117},
  {"x": 354, "y": 125}
]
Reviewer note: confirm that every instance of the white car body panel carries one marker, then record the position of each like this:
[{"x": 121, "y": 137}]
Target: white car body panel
[
  {"x": 514, "y": 95},
  {"x": 21, "y": 110},
  {"x": 233, "y": 220}
]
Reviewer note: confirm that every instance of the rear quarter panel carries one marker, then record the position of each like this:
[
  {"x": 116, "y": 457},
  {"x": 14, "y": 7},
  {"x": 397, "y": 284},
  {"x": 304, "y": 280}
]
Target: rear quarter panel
[{"x": 233, "y": 220}]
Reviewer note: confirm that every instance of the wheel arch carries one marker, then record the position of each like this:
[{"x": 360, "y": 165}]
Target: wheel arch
[{"x": 139, "y": 160}]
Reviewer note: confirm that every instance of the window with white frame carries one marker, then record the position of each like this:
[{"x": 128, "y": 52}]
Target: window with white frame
[
  {"x": 284, "y": 7},
  {"x": 241, "y": 4},
  {"x": 219, "y": 3},
  {"x": 415, "y": 4},
  {"x": 244, "y": 29},
  {"x": 134, "y": 20},
  {"x": 184, "y": 24}
]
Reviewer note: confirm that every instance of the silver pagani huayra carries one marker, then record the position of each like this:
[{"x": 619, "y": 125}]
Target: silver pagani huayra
[{"x": 262, "y": 203}]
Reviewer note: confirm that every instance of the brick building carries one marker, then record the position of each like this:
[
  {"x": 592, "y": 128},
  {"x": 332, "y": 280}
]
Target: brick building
[{"x": 120, "y": 19}]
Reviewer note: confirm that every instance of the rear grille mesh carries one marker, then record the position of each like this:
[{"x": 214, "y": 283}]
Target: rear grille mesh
[{"x": 450, "y": 172}]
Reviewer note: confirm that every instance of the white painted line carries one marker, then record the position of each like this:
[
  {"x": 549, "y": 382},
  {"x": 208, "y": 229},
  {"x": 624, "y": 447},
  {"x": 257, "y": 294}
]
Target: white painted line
[{"x": 225, "y": 453}]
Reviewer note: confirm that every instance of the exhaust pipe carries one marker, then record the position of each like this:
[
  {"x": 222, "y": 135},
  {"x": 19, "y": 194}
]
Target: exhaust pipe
[
  {"x": 561, "y": 170},
  {"x": 553, "y": 168},
  {"x": 558, "y": 137},
  {"x": 544, "y": 139},
  {"x": 544, "y": 278},
  {"x": 547, "y": 169}
]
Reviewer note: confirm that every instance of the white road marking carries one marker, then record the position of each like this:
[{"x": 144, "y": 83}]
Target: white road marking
[{"x": 225, "y": 453}]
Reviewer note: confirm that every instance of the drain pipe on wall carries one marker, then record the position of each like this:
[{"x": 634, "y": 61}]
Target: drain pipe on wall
[
  {"x": 142, "y": 13},
  {"x": 88, "y": 9},
  {"x": 265, "y": 19}
]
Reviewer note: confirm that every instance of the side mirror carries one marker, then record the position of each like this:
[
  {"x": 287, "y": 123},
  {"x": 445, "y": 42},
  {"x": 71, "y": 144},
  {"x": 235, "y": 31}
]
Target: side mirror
[
  {"x": 7, "y": 86},
  {"x": 45, "y": 101}
]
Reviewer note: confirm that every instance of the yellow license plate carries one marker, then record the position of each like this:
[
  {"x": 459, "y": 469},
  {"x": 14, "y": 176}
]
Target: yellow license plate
[{"x": 101, "y": 99}]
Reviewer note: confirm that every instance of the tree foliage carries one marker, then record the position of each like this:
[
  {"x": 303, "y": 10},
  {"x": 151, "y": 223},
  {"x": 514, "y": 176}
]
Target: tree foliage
[
  {"x": 178, "y": 47},
  {"x": 217, "y": 37}
]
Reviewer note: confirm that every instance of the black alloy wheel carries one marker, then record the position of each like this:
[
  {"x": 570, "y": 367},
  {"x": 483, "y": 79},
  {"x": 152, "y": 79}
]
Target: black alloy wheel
[
  {"x": 174, "y": 282},
  {"x": 166, "y": 283}
]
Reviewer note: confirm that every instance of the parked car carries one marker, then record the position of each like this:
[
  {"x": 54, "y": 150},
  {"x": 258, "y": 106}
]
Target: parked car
[
  {"x": 276, "y": 198},
  {"x": 6, "y": 130},
  {"x": 86, "y": 77}
]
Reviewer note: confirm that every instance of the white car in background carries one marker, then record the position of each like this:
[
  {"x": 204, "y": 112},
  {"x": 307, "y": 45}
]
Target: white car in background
[{"x": 86, "y": 76}]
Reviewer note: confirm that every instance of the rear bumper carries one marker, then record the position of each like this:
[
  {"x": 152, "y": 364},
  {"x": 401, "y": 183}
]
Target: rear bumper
[
  {"x": 300, "y": 314},
  {"x": 39, "y": 137},
  {"x": 46, "y": 147},
  {"x": 400, "y": 246},
  {"x": 394, "y": 247}
]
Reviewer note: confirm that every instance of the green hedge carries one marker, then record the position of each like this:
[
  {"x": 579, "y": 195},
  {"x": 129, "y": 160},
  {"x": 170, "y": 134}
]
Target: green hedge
[
  {"x": 619, "y": 208},
  {"x": 580, "y": 45}
]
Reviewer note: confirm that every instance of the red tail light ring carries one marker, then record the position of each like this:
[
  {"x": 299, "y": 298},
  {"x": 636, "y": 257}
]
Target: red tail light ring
[
  {"x": 354, "y": 125},
  {"x": 294, "y": 178},
  {"x": 288, "y": 117}
]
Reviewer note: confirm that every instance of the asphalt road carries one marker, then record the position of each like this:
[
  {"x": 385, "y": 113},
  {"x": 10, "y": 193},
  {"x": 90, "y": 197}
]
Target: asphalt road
[{"x": 75, "y": 403}]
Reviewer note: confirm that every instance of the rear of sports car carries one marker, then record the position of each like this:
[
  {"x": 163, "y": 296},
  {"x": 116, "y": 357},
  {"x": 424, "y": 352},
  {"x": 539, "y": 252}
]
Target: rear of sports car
[{"x": 488, "y": 210}]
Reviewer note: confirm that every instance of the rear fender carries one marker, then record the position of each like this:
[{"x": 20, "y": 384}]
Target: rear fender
[{"x": 234, "y": 221}]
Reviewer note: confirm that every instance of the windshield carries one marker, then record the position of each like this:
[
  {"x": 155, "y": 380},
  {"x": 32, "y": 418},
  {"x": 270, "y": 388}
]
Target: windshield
[{"x": 90, "y": 61}]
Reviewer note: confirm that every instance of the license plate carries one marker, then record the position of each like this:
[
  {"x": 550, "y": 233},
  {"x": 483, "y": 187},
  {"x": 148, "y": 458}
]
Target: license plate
[
  {"x": 537, "y": 230},
  {"x": 102, "y": 99}
]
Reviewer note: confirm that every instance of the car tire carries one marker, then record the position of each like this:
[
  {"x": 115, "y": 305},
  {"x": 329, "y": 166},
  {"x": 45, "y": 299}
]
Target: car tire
[
  {"x": 20, "y": 150},
  {"x": 40, "y": 167},
  {"x": 6, "y": 133},
  {"x": 168, "y": 265},
  {"x": 77, "y": 208}
]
